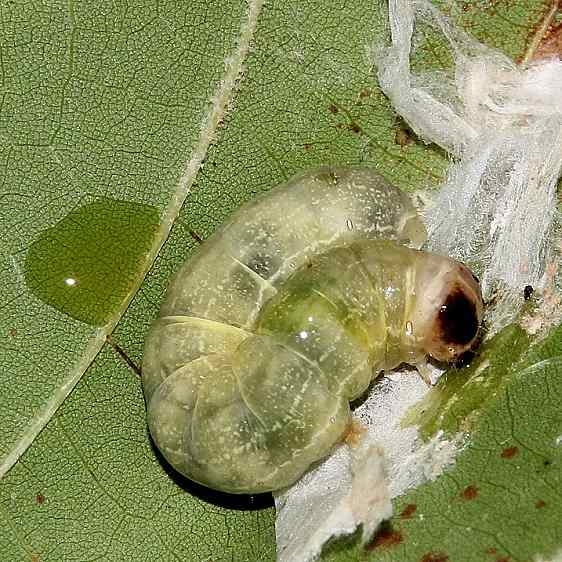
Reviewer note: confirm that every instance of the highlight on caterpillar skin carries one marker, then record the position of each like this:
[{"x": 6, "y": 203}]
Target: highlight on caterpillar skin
[{"x": 285, "y": 315}]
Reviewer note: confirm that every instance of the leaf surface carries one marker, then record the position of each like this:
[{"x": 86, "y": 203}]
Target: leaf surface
[
  {"x": 115, "y": 104},
  {"x": 501, "y": 500}
]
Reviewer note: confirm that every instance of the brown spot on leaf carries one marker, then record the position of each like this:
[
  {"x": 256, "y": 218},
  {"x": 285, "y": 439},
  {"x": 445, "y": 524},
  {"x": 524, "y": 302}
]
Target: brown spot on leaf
[
  {"x": 402, "y": 137},
  {"x": 509, "y": 452},
  {"x": 333, "y": 108},
  {"x": 408, "y": 511},
  {"x": 353, "y": 126},
  {"x": 386, "y": 537},
  {"x": 12, "y": 332},
  {"x": 35, "y": 558},
  {"x": 40, "y": 498},
  {"x": 123, "y": 355},
  {"x": 551, "y": 44},
  {"x": 503, "y": 558},
  {"x": 434, "y": 557},
  {"x": 541, "y": 34},
  {"x": 470, "y": 492},
  {"x": 365, "y": 93},
  {"x": 195, "y": 236},
  {"x": 540, "y": 504},
  {"x": 307, "y": 146},
  {"x": 491, "y": 550}
]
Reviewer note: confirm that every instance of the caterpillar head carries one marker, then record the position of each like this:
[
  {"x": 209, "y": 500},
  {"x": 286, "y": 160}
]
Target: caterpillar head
[{"x": 449, "y": 307}]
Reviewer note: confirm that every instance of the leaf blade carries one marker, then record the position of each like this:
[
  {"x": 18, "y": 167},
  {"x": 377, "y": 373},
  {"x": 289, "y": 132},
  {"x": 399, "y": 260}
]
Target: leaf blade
[{"x": 21, "y": 427}]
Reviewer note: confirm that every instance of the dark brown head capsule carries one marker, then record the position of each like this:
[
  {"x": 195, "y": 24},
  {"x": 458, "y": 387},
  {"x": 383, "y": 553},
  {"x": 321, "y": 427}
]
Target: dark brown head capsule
[{"x": 452, "y": 307}]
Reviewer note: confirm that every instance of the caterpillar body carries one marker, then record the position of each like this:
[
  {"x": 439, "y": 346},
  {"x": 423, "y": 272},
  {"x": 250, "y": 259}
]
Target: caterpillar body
[{"x": 285, "y": 315}]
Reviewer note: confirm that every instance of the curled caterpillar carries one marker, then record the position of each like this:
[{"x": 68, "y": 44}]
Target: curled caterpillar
[{"x": 285, "y": 315}]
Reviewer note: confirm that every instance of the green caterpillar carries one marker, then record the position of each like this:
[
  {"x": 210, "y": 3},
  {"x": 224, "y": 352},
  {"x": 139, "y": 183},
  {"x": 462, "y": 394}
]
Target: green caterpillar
[{"x": 285, "y": 315}]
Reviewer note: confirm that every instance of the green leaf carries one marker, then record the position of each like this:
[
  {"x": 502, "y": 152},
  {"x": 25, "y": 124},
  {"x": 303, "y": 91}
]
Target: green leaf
[
  {"x": 102, "y": 108},
  {"x": 501, "y": 500},
  {"x": 91, "y": 488},
  {"x": 456, "y": 402},
  {"x": 111, "y": 107}
]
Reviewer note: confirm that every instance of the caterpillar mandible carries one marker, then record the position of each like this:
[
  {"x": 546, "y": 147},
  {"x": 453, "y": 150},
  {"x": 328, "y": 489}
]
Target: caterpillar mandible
[{"x": 285, "y": 315}]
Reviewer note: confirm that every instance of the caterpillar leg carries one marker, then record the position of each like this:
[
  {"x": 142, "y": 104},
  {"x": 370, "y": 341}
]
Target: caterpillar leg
[{"x": 425, "y": 372}]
